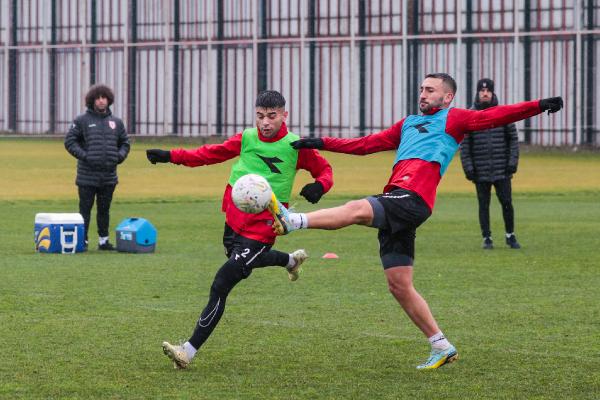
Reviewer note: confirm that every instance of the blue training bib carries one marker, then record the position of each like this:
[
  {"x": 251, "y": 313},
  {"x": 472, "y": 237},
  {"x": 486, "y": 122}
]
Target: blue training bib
[{"x": 425, "y": 137}]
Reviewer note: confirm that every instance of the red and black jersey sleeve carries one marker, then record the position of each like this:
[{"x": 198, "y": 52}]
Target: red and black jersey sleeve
[
  {"x": 388, "y": 139},
  {"x": 461, "y": 121},
  {"x": 209, "y": 153}
]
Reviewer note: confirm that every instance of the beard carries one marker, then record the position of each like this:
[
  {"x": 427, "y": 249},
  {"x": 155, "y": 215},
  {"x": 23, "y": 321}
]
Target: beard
[{"x": 431, "y": 105}]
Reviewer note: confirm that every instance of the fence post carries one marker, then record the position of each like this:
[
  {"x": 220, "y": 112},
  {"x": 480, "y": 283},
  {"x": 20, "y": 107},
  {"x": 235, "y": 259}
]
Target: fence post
[
  {"x": 413, "y": 59},
  {"x": 52, "y": 69},
  {"x": 13, "y": 98},
  {"x": 262, "y": 65},
  {"x": 93, "y": 39},
  {"x": 591, "y": 76},
  {"x": 362, "y": 69},
  {"x": 131, "y": 37},
  {"x": 527, "y": 64},
  {"x": 311, "y": 67},
  {"x": 469, "y": 55}
]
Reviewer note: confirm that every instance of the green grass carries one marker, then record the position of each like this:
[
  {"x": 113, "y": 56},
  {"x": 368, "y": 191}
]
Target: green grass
[{"x": 90, "y": 325}]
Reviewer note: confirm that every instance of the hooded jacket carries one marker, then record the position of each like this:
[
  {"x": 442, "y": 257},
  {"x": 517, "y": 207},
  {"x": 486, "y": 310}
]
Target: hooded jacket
[
  {"x": 99, "y": 142},
  {"x": 490, "y": 155}
]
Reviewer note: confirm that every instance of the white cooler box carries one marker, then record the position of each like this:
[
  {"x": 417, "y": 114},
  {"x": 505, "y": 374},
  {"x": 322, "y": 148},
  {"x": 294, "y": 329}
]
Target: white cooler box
[{"x": 59, "y": 233}]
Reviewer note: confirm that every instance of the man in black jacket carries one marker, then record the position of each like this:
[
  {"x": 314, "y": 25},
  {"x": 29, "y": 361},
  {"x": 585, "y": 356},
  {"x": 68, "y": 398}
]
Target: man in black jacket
[
  {"x": 99, "y": 142},
  {"x": 490, "y": 158}
]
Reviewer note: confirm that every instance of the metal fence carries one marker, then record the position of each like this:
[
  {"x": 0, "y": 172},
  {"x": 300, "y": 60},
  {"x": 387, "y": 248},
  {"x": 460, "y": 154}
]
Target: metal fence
[{"x": 346, "y": 67}]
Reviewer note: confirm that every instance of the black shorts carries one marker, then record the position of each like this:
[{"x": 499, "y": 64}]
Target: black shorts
[
  {"x": 244, "y": 251},
  {"x": 397, "y": 215}
]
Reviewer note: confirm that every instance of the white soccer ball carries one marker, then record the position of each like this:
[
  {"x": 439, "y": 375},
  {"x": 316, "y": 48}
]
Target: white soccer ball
[{"x": 251, "y": 193}]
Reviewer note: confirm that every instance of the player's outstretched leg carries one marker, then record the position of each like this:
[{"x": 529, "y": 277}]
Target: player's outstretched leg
[
  {"x": 439, "y": 357},
  {"x": 229, "y": 275},
  {"x": 299, "y": 257},
  {"x": 177, "y": 354}
]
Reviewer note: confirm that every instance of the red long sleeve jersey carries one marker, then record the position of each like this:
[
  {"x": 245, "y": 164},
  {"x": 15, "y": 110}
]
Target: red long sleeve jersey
[
  {"x": 252, "y": 226},
  {"x": 420, "y": 176}
]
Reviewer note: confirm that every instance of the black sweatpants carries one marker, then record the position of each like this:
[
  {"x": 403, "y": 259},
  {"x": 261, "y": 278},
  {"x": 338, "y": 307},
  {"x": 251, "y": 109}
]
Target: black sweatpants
[
  {"x": 504, "y": 193},
  {"x": 243, "y": 256},
  {"x": 103, "y": 195}
]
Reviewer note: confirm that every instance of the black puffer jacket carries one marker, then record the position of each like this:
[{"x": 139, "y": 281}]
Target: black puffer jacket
[
  {"x": 99, "y": 142},
  {"x": 490, "y": 155}
]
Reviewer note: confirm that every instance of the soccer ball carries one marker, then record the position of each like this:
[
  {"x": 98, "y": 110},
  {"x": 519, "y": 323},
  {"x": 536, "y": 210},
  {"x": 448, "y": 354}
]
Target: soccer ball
[{"x": 251, "y": 193}]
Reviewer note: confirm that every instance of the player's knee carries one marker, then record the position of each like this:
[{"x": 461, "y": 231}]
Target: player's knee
[
  {"x": 394, "y": 288},
  {"x": 399, "y": 289},
  {"x": 220, "y": 288},
  {"x": 360, "y": 211},
  {"x": 226, "y": 278}
]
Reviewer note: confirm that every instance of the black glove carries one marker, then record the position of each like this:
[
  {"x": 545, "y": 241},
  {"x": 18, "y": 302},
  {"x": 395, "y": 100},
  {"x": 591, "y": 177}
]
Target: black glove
[
  {"x": 552, "y": 104},
  {"x": 308, "y": 143},
  {"x": 312, "y": 192},
  {"x": 157, "y": 155},
  {"x": 511, "y": 169},
  {"x": 470, "y": 174}
]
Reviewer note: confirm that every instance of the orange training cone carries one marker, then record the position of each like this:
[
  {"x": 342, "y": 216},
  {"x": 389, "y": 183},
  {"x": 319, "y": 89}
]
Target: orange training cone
[{"x": 330, "y": 255}]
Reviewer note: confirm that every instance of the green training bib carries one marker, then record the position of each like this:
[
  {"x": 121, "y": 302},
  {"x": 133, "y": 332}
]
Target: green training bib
[{"x": 276, "y": 161}]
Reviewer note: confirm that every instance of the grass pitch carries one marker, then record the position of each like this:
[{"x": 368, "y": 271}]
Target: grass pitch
[{"x": 90, "y": 325}]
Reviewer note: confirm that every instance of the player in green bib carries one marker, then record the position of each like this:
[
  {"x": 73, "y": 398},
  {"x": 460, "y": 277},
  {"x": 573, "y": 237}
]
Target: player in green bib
[{"x": 264, "y": 150}]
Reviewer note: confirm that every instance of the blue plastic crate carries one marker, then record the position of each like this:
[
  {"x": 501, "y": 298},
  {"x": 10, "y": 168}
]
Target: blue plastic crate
[{"x": 136, "y": 235}]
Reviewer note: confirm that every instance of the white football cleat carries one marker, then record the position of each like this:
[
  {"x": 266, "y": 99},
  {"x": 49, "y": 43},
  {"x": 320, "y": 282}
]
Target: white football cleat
[
  {"x": 177, "y": 354},
  {"x": 299, "y": 256}
]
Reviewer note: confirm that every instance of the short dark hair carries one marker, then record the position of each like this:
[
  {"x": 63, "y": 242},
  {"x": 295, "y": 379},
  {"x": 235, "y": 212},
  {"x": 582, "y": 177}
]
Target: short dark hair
[
  {"x": 270, "y": 99},
  {"x": 98, "y": 91},
  {"x": 447, "y": 79}
]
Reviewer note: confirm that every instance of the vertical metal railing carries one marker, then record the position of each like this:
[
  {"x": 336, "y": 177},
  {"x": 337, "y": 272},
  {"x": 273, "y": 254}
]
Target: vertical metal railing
[
  {"x": 12, "y": 94},
  {"x": 5, "y": 20},
  {"x": 592, "y": 13},
  {"x": 347, "y": 67}
]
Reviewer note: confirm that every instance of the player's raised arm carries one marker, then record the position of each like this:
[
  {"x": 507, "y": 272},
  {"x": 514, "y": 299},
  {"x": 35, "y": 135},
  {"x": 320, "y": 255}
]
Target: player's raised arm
[
  {"x": 388, "y": 139},
  {"x": 203, "y": 155},
  {"x": 475, "y": 120}
]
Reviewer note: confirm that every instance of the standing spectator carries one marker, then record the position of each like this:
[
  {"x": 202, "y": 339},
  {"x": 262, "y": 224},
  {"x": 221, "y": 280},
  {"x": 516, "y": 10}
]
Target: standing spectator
[
  {"x": 491, "y": 159},
  {"x": 99, "y": 142}
]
